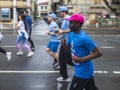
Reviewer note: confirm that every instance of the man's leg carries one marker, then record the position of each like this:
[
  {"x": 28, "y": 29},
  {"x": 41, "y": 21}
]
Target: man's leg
[
  {"x": 2, "y": 50},
  {"x": 62, "y": 62},
  {"x": 91, "y": 85},
  {"x": 30, "y": 40},
  {"x": 78, "y": 83},
  {"x": 68, "y": 57},
  {"x": 55, "y": 61}
]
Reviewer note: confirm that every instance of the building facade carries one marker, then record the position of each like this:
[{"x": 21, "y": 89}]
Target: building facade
[
  {"x": 43, "y": 9},
  {"x": 89, "y": 8},
  {"x": 9, "y": 10},
  {"x": 115, "y": 4}
]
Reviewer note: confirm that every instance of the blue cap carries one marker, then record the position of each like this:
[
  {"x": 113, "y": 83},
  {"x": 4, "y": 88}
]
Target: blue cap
[
  {"x": 52, "y": 15},
  {"x": 62, "y": 8}
]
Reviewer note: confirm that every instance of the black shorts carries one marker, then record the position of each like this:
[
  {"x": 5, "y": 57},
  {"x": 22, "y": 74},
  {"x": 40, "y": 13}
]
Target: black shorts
[{"x": 80, "y": 84}]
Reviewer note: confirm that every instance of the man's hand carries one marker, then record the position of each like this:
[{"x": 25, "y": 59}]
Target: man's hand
[
  {"x": 60, "y": 32},
  {"x": 47, "y": 32},
  {"x": 76, "y": 59}
]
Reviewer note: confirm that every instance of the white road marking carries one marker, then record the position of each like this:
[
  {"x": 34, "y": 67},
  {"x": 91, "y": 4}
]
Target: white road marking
[
  {"x": 105, "y": 72},
  {"x": 116, "y": 72},
  {"x": 9, "y": 46},
  {"x": 107, "y": 47},
  {"x": 50, "y": 72},
  {"x": 45, "y": 46},
  {"x": 32, "y": 72},
  {"x": 15, "y": 46}
]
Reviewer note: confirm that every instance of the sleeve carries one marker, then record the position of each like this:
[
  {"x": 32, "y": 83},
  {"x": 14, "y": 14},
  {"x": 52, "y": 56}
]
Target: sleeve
[
  {"x": 68, "y": 40},
  {"x": 30, "y": 20},
  {"x": 68, "y": 22},
  {"x": 51, "y": 28},
  {"x": 19, "y": 23},
  {"x": 88, "y": 43}
]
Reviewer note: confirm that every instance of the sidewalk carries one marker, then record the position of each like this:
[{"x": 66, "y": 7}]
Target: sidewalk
[
  {"x": 90, "y": 27},
  {"x": 103, "y": 27}
]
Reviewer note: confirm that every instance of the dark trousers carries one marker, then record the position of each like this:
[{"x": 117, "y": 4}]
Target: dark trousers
[
  {"x": 80, "y": 84},
  {"x": 2, "y": 50},
  {"x": 30, "y": 40},
  {"x": 64, "y": 59}
]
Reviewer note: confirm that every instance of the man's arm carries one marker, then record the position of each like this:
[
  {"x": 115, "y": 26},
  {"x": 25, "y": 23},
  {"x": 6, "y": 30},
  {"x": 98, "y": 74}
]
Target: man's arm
[
  {"x": 95, "y": 53},
  {"x": 64, "y": 31}
]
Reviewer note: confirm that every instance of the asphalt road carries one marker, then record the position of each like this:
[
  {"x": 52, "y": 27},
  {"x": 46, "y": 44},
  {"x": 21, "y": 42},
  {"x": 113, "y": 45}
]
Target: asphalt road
[{"x": 36, "y": 72}]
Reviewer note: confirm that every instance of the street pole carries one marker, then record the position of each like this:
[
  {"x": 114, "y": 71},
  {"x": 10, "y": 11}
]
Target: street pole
[
  {"x": 14, "y": 14},
  {"x": 28, "y": 4}
]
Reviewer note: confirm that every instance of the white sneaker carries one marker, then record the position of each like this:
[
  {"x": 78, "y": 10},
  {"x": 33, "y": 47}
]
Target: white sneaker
[
  {"x": 30, "y": 54},
  {"x": 8, "y": 55},
  {"x": 60, "y": 79},
  {"x": 19, "y": 53}
]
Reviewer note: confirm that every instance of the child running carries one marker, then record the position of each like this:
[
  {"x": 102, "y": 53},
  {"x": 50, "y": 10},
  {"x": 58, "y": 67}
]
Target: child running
[
  {"x": 22, "y": 37},
  {"x": 54, "y": 42}
]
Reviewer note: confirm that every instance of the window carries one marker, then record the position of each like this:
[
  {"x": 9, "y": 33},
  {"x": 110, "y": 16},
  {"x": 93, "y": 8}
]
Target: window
[
  {"x": 115, "y": 2},
  {"x": 41, "y": 7},
  {"x": 45, "y": 7},
  {"x": 5, "y": 13}
]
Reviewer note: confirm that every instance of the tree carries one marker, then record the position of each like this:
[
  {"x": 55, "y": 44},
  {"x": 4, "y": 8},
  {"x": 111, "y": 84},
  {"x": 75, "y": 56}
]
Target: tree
[{"x": 110, "y": 7}]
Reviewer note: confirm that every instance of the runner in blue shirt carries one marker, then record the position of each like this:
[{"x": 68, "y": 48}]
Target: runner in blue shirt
[
  {"x": 64, "y": 52},
  {"x": 54, "y": 42},
  {"x": 83, "y": 50},
  {"x": 28, "y": 21}
]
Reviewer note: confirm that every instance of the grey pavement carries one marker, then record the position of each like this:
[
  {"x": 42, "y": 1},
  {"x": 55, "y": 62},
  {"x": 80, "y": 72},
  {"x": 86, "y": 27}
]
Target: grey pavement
[{"x": 36, "y": 72}]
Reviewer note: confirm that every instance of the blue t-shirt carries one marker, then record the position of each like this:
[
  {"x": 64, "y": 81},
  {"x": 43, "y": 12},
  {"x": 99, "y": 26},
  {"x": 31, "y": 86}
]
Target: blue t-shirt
[
  {"x": 28, "y": 21},
  {"x": 65, "y": 26},
  {"x": 82, "y": 45},
  {"x": 53, "y": 38}
]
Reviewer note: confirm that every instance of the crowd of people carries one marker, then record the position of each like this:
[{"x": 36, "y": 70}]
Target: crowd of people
[
  {"x": 24, "y": 29},
  {"x": 76, "y": 49}
]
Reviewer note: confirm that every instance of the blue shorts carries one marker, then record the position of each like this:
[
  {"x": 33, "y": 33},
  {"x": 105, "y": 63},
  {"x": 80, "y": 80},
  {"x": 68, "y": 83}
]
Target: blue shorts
[
  {"x": 53, "y": 46},
  {"x": 21, "y": 39}
]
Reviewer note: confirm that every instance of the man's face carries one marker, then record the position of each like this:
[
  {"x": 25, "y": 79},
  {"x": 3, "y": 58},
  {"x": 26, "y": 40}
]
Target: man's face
[
  {"x": 74, "y": 26},
  {"x": 49, "y": 19},
  {"x": 61, "y": 14},
  {"x": 25, "y": 13}
]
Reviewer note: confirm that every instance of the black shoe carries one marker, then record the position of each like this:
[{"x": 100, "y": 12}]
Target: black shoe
[
  {"x": 32, "y": 48},
  {"x": 54, "y": 63},
  {"x": 57, "y": 67}
]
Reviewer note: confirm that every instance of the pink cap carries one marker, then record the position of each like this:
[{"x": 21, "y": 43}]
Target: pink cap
[{"x": 76, "y": 17}]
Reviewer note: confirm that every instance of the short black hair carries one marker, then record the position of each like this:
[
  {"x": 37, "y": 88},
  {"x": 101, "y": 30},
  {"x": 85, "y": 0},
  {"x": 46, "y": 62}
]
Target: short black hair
[
  {"x": 26, "y": 11},
  {"x": 65, "y": 11}
]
